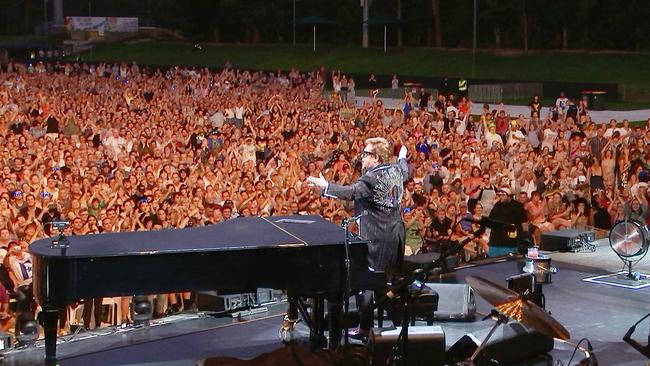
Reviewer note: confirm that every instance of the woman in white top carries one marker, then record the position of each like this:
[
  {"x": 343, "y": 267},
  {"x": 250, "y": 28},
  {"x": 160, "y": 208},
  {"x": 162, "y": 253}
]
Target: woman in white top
[
  {"x": 549, "y": 136},
  {"x": 492, "y": 136}
]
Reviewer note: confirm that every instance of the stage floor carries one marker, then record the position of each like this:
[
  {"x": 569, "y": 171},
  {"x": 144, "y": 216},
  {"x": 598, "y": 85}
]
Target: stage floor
[{"x": 599, "y": 312}]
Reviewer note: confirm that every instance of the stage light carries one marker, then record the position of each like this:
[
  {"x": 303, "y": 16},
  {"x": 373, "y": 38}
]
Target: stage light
[
  {"x": 630, "y": 239},
  {"x": 141, "y": 310}
]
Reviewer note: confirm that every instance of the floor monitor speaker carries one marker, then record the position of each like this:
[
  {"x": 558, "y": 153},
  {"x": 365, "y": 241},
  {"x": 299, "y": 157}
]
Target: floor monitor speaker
[{"x": 426, "y": 345}]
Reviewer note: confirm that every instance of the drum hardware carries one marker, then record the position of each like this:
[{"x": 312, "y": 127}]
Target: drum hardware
[
  {"x": 511, "y": 305},
  {"x": 540, "y": 269}
]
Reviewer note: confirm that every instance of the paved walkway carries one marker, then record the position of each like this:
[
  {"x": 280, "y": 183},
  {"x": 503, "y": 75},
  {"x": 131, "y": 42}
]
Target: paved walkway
[{"x": 516, "y": 110}]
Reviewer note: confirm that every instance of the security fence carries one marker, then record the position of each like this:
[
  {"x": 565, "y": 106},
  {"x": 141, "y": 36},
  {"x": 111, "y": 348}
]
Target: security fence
[{"x": 495, "y": 93}]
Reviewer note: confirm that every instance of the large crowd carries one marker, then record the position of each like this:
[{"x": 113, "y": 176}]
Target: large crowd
[{"x": 116, "y": 148}]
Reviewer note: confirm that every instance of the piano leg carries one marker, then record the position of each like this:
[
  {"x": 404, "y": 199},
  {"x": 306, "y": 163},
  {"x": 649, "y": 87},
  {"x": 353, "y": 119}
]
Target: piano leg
[
  {"x": 335, "y": 310},
  {"x": 317, "y": 333},
  {"x": 49, "y": 318}
]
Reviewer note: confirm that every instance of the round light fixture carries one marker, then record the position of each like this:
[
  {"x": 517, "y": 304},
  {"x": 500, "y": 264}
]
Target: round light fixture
[{"x": 630, "y": 239}]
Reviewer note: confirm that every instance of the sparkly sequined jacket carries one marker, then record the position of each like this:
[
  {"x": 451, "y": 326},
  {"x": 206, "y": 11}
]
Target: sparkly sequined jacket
[{"x": 379, "y": 191}]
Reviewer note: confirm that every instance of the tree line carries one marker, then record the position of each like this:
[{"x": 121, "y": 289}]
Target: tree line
[{"x": 518, "y": 24}]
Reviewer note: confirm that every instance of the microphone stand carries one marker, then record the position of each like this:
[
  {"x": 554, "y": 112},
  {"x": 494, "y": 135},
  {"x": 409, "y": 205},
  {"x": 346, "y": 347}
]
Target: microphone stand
[
  {"x": 644, "y": 350},
  {"x": 348, "y": 281},
  {"x": 500, "y": 319}
]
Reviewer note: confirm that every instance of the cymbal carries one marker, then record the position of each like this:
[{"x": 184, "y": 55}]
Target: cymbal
[{"x": 518, "y": 307}]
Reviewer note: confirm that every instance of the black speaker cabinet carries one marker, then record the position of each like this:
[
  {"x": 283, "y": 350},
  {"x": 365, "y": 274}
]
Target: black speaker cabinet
[
  {"x": 211, "y": 301},
  {"x": 511, "y": 342},
  {"x": 564, "y": 240},
  {"x": 426, "y": 345}
]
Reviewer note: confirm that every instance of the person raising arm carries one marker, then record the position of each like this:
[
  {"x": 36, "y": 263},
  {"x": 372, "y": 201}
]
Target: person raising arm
[{"x": 378, "y": 191}]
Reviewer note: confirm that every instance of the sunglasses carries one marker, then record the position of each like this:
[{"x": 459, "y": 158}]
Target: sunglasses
[{"x": 367, "y": 153}]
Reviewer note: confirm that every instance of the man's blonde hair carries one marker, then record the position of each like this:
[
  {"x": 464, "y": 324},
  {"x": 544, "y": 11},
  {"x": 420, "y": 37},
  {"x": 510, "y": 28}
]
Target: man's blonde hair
[{"x": 381, "y": 148}]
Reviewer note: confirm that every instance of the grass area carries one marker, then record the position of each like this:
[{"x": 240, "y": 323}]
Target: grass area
[
  {"x": 6, "y": 38},
  {"x": 626, "y": 68}
]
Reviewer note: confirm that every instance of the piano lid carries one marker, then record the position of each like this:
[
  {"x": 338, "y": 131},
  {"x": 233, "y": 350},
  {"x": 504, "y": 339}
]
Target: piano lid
[{"x": 235, "y": 234}]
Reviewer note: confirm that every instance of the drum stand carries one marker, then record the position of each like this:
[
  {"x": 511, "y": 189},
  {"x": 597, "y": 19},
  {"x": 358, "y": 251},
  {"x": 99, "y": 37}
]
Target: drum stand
[
  {"x": 500, "y": 319},
  {"x": 526, "y": 285},
  {"x": 537, "y": 294}
]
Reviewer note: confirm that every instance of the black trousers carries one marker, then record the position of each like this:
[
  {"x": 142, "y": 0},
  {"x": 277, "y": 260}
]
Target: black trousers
[
  {"x": 365, "y": 306},
  {"x": 93, "y": 306},
  {"x": 25, "y": 305}
]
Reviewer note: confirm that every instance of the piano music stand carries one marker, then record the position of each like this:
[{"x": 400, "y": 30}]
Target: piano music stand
[{"x": 61, "y": 242}]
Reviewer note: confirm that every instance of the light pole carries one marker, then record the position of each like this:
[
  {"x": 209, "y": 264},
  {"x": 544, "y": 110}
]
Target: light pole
[
  {"x": 474, "y": 42},
  {"x": 57, "y": 12},
  {"x": 364, "y": 25},
  {"x": 45, "y": 18}
]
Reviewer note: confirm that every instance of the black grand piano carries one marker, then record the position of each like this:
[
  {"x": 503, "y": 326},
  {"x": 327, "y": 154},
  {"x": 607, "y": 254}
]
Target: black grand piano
[{"x": 303, "y": 254}]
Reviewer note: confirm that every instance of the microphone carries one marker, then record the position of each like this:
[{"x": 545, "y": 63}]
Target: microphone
[
  {"x": 358, "y": 216},
  {"x": 491, "y": 223}
]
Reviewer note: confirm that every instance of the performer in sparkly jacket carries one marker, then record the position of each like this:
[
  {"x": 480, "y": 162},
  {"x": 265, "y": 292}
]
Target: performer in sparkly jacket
[{"x": 378, "y": 191}]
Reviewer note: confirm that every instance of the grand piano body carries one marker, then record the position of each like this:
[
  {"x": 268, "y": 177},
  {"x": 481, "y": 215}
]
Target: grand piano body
[{"x": 303, "y": 254}]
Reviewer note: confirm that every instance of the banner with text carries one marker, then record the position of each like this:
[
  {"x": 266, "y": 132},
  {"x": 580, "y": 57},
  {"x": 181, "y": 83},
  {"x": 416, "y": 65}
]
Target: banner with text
[{"x": 102, "y": 24}]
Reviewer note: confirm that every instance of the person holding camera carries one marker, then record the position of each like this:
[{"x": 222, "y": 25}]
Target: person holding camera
[{"x": 52, "y": 214}]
